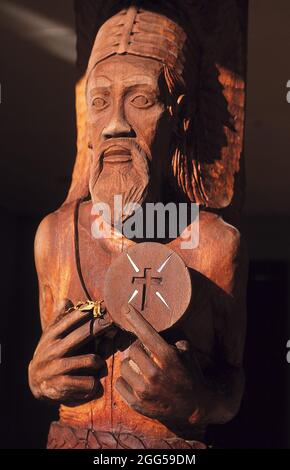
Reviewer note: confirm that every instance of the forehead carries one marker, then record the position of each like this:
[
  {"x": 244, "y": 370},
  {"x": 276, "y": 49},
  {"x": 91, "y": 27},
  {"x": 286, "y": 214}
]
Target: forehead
[{"x": 127, "y": 70}]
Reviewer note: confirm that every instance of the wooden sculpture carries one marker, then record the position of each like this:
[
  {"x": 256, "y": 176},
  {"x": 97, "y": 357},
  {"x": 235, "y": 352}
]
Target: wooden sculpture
[{"x": 161, "y": 114}]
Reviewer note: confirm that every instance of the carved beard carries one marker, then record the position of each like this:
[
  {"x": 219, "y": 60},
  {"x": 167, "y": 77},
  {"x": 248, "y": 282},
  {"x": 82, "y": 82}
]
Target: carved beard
[{"x": 129, "y": 180}]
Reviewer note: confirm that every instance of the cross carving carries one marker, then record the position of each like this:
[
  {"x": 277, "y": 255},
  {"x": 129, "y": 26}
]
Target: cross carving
[{"x": 147, "y": 280}]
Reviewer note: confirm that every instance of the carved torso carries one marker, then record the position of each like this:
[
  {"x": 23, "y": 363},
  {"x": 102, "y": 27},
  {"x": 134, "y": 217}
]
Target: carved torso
[{"x": 213, "y": 270}]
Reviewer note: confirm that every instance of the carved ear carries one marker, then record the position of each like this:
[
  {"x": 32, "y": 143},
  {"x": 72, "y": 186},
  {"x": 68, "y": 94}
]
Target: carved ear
[
  {"x": 181, "y": 112},
  {"x": 185, "y": 112}
]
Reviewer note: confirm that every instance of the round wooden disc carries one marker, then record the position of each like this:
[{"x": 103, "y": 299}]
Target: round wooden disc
[{"x": 152, "y": 278}]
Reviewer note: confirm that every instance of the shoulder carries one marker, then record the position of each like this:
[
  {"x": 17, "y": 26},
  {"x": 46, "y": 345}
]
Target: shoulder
[
  {"x": 218, "y": 234},
  {"x": 49, "y": 233},
  {"x": 45, "y": 234},
  {"x": 224, "y": 248}
]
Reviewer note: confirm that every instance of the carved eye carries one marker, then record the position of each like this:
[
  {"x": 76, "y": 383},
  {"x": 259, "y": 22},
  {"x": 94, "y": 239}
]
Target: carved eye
[
  {"x": 99, "y": 103},
  {"x": 140, "y": 101}
]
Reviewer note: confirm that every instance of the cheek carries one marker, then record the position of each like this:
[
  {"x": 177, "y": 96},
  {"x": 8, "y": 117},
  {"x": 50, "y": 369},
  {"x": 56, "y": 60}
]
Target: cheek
[
  {"x": 148, "y": 123},
  {"x": 96, "y": 125}
]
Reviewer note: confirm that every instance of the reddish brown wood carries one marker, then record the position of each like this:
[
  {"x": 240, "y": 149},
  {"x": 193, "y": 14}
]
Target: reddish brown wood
[
  {"x": 220, "y": 31},
  {"x": 156, "y": 280},
  {"x": 77, "y": 438},
  {"x": 160, "y": 118}
]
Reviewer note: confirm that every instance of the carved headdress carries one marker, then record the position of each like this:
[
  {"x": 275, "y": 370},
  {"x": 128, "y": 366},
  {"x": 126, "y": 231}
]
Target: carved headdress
[
  {"x": 140, "y": 32},
  {"x": 200, "y": 46}
]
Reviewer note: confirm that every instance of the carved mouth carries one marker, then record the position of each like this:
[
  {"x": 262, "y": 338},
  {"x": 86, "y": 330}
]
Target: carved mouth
[{"x": 117, "y": 154}]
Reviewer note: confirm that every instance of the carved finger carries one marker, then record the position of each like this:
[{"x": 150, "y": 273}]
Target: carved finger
[
  {"x": 66, "y": 322},
  {"x": 125, "y": 391},
  {"x": 61, "y": 309},
  {"x": 88, "y": 361},
  {"x": 156, "y": 345},
  {"x": 67, "y": 387},
  {"x": 49, "y": 343},
  {"x": 83, "y": 334},
  {"x": 131, "y": 374},
  {"x": 148, "y": 368}
]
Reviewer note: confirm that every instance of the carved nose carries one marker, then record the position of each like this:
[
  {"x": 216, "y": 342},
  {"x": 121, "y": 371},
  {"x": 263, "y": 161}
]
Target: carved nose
[{"x": 118, "y": 127}]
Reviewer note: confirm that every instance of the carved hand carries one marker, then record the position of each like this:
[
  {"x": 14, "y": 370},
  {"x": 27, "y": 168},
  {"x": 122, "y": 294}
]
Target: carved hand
[
  {"x": 154, "y": 380},
  {"x": 54, "y": 373}
]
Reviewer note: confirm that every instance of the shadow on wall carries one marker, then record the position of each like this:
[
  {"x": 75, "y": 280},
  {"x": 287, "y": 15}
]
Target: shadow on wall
[
  {"x": 37, "y": 132},
  {"x": 262, "y": 420},
  {"x": 37, "y": 138},
  {"x": 24, "y": 421}
]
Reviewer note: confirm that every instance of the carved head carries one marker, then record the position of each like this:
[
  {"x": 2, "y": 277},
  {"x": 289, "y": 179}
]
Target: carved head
[
  {"x": 138, "y": 107},
  {"x": 195, "y": 55}
]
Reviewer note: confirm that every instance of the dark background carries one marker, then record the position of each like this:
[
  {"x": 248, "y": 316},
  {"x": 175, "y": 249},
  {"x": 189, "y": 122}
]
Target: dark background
[{"x": 37, "y": 142}]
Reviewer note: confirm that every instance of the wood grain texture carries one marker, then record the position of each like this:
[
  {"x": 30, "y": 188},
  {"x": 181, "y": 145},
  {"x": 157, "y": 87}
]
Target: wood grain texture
[
  {"x": 216, "y": 164},
  {"x": 65, "y": 437},
  {"x": 151, "y": 128},
  {"x": 153, "y": 279}
]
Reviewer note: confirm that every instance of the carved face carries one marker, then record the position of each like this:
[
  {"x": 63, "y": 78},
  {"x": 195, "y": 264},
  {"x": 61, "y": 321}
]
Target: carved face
[{"x": 129, "y": 130}]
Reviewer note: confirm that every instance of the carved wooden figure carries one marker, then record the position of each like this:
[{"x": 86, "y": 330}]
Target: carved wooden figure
[{"x": 159, "y": 357}]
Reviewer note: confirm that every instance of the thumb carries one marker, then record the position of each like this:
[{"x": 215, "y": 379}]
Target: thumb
[
  {"x": 183, "y": 346},
  {"x": 61, "y": 309},
  {"x": 184, "y": 351},
  {"x": 67, "y": 304}
]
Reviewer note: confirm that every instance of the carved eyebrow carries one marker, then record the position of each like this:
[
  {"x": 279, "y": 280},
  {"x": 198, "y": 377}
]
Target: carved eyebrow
[
  {"x": 102, "y": 82},
  {"x": 98, "y": 89},
  {"x": 139, "y": 80}
]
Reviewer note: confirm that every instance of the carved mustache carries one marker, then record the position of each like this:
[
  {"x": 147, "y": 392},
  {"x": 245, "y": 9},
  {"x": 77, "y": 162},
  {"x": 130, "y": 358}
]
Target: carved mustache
[
  {"x": 140, "y": 154},
  {"x": 125, "y": 144}
]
